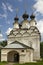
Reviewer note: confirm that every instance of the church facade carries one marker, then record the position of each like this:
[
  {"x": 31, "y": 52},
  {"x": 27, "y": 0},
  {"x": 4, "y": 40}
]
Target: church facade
[{"x": 23, "y": 41}]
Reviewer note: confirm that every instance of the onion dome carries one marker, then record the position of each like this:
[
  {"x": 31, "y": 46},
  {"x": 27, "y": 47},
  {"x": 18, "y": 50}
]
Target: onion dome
[
  {"x": 25, "y": 16},
  {"x": 32, "y": 21},
  {"x": 16, "y": 24},
  {"x": 32, "y": 16},
  {"x": 16, "y": 18}
]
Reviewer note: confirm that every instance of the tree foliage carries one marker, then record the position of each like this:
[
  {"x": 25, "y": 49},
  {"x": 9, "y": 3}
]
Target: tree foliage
[
  {"x": 41, "y": 49},
  {"x": 3, "y": 43}
]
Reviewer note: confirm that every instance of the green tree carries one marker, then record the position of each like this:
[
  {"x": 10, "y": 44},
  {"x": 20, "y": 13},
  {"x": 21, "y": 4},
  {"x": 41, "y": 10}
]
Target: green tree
[
  {"x": 3, "y": 43},
  {"x": 41, "y": 49}
]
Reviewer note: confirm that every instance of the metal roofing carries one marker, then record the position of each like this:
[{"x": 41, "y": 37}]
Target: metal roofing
[{"x": 17, "y": 45}]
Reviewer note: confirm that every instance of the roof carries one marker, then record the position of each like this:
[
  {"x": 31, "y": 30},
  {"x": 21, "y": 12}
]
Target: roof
[
  {"x": 33, "y": 28},
  {"x": 17, "y": 45}
]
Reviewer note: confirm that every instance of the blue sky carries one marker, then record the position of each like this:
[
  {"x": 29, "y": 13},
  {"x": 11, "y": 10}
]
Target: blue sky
[{"x": 8, "y": 12}]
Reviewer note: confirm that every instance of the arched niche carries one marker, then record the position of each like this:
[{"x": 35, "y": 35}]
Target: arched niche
[{"x": 13, "y": 56}]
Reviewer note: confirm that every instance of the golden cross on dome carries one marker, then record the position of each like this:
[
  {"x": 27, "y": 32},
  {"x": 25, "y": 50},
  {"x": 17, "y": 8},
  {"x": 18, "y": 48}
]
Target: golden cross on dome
[
  {"x": 17, "y": 11},
  {"x": 25, "y": 5}
]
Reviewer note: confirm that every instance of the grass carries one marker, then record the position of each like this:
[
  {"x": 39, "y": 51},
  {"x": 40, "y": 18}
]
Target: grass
[
  {"x": 3, "y": 63},
  {"x": 37, "y": 63}
]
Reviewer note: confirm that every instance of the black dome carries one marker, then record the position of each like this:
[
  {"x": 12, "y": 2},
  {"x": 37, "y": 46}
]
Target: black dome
[
  {"x": 16, "y": 18},
  {"x": 25, "y": 15},
  {"x": 32, "y": 16}
]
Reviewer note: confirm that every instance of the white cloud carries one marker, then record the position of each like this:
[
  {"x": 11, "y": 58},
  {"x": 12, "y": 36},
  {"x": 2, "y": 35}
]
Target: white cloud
[
  {"x": 40, "y": 27},
  {"x": 42, "y": 37},
  {"x": 4, "y": 6},
  {"x": 9, "y": 7},
  {"x": 39, "y": 9},
  {"x": 3, "y": 15},
  {"x": 38, "y": 6},
  {"x": 1, "y": 37},
  {"x": 8, "y": 31}
]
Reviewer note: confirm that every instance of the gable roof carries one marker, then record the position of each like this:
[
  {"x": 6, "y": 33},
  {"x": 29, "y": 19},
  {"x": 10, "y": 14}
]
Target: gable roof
[
  {"x": 17, "y": 45},
  {"x": 33, "y": 28}
]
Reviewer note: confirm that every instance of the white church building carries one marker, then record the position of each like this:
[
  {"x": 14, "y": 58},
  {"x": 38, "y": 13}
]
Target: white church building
[{"x": 23, "y": 43}]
